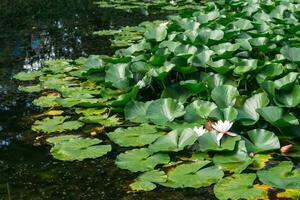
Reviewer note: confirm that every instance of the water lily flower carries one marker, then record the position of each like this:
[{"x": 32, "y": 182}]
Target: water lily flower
[
  {"x": 223, "y": 127},
  {"x": 200, "y": 130}
]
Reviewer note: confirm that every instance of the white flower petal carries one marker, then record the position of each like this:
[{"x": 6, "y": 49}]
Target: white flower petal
[
  {"x": 219, "y": 138},
  {"x": 231, "y": 134},
  {"x": 222, "y": 126},
  {"x": 199, "y": 130}
]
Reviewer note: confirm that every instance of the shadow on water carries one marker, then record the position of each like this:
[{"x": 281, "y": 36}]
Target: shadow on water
[{"x": 30, "y": 32}]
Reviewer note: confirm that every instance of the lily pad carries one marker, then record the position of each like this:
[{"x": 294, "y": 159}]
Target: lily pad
[
  {"x": 193, "y": 175},
  {"x": 225, "y": 95},
  {"x": 166, "y": 110},
  {"x": 135, "y": 136},
  {"x": 56, "y": 124},
  {"x": 141, "y": 160},
  {"x": 238, "y": 186},
  {"x": 281, "y": 176},
  {"x": 136, "y": 111},
  {"x": 261, "y": 141},
  {"x": 174, "y": 141},
  {"x": 73, "y": 147},
  {"x": 145, "y": 182}
]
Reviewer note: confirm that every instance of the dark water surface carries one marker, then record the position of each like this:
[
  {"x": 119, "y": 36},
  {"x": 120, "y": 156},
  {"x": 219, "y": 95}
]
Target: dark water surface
[{"x": 30, "y": 32}]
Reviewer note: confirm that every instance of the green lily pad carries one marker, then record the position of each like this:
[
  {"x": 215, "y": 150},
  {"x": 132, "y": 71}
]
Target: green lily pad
[
  {"x": 208, "y": 142},
  {"x": 145, "y": 182},
  {"x": 261, "y": 141},
  {"x": 73, "y": 147},
  {"x": 198, "y": 109},
  {"x": 135, "y": 136},
  {"x": 28, "y": 76},
  {"x": 157, "y": 32},
  {"x": 56, "y": 124},
  {"x": 46, "y": 101},
  {"x": 277, "y": 117},
  {"x": 193, "y": 175},
  {"x": 166, "y": 110},
  {"x": 141, "y": 160},
  {"x": 174, "y": 141},
  {"x": 104, "y": 120},
  {"x": 238, "y": 186},
  {"x": 30, "y": 89},
  {"x": 136, "y": 111},
  {"x": 225, "y": 95},
  {"x": 235, "y": 161},
  {"x": 281, "y": 176},
  {"x": 248, "y": 114},
  {"x": 291, "y": 53},
  {"x": 286, "y": 82}
]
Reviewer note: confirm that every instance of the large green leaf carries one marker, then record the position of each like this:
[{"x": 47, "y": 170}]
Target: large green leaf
[
  {"x": 145, "y": 182},
  {"x": 261, "y": 141},
  {"x": 134, "y": 136},
  {"x": 73, "y": 147},
  {"x": 277, "y": 117},
  {"x": 119, "y": 75},
  {"x": 28, "y": 76},
  {"x": 140, "y": 160},
  {"x": 136, "y": 111},
  {"x": 193, "y": 175},
  {"x": 286, "y": 82},
  {"x": 56, "y": 124},
  {"x": 239, "y": 186},
  {"x": 281, "y": 176},
  {"x": 225, "y": 95},
  {"x": 291, "y": 99},
  {"x": 235, "y": 161},
  {"x": 174, "y": 141},
  {"x": 165, "y": 110},
  {"x": 157, "y": 32},
  {"x": 208, "y": 142},
  {"x": 198, "y": 109},
  {"x": 291, "y": 53},
  {"x": 247, "y": 114}
]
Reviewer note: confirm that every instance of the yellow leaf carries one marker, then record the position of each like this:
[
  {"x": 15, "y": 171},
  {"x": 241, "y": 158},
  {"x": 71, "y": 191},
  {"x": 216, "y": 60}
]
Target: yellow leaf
[
  {"x": 289, "y": 194},
  {"x": 49, "y": 113}
]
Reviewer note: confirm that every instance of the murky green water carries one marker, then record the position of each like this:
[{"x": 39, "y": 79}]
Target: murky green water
[{"x": 30, "y": 32}]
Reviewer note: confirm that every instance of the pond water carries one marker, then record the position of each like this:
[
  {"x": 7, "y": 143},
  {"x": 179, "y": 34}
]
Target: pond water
[{"x": 30, "y": 32}]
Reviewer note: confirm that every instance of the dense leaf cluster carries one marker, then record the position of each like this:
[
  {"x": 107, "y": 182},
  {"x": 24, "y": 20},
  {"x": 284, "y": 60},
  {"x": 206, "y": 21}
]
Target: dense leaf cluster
[{"x": 230, "y": 62}]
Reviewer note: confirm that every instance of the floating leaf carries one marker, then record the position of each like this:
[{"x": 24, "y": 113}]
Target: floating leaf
[
  {"x": 291, "y": 53},
  {"x": 56, "y": 124},
  {"x": 140, "y": 160},
  {"x": 235, "y": 161},
  {"x": 262, "y": 140},
  {"x": 30, "y": 89},
  {"x": 136, "y": 111},
  {"x": 193, "y": 175},
  {"x": 289, "y": 194},
  {"x": 281, "y": 176},
  {"x": 225, "y": 95},
  {"x": 145, "y": 182},
  {"x": 239, "y": 186},
  {"x": 166, "y": 110},
  {"x": 174, "y": 141},
  {"x": 209, "y": 142},
  {"x": 135, "y": 136},
  {"x": 277, "y": 117},
  {"x": 198, "y": 109},
  {"x": 104, "y": 120},
  {"x": 72, "y": 147},
  {"x": 248, "y": 114},
  {"x": 28, "y": 76}
]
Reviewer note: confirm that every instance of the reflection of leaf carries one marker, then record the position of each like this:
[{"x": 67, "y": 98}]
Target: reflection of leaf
[
  {"x": 56, "y": 124},
  {"x": 238, "y": 186},
  {"x": 72, "y": 147},
  {"x": 140, "y": 160},
  {"x": 281, "y": 176},
  {"x": 134, "y": 136}
]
